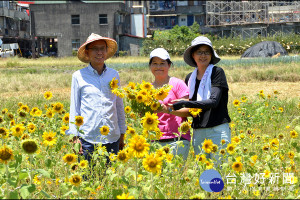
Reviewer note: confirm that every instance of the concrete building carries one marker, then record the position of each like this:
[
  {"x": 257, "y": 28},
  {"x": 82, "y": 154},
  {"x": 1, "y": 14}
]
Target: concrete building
[
  {"x": 15, "y": 26},
  {"x": 65, "y": 25}
]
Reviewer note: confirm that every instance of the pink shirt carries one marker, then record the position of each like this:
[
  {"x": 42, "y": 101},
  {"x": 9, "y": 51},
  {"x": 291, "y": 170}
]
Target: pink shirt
[{"x": 169, "y": 124}]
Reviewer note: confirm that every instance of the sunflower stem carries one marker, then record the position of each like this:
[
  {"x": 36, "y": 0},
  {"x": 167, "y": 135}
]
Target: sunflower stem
[
  {"x": 30, "y": 164},
  {"x": 136, "y": 171},
  {"x": 7, "y": 174}
]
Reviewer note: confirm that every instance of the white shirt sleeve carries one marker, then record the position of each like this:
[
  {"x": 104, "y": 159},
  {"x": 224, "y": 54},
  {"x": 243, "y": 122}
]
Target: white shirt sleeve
[{"x": 74, "y": 106}]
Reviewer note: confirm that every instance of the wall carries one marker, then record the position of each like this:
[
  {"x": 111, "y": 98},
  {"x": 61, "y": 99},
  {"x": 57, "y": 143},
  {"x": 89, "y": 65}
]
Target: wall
[
  {"x": 131, "y": 44},
  {"x": 54, "y": 20}
]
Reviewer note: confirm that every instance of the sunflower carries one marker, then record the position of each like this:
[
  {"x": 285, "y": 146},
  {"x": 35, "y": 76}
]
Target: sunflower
[
  {"x": 49, "y": 113},
  {"x": 83, "y": 164},
  {"x": 201, "y": 158},
  {"x": 293, "y": 134},
  {"x": 113, "y": 83},
  {"x": 12, "y": 123},
  {"x": 185, "y": 127},
  {"x": 48, "y": 95},
  {"x": 31, "y": 127},
  {"x": 24, "y": 136},
  {"x": 274, "y": 144},
  {"x": 236, "y": 102},
  {"x": 63, "y": 129},
  {"x": 125, "y": 196},
  {"x": 161, "y": 94},
  {"x": 132, "y": 115},
  {"x": 33, "y": 110},
  {"x": 291, "y": 154},
  {"x": 195, "y": 111},
  {"x": 3, "y": 132},
  {"x": 131, "y": 85},
  {"x": 10, "y": 116},
  {"x": 214, "y": 148},
  {"x": 123, "y": 156},
  {"x": 169, "y": 157},
  {"x": 49, "y": 138},
  {"x": 6, "y": 154},
  {"x": 75, "y": 179},
  {"x": 25, "y": 108},
  {"x": 70, "y": 158},
  {"x": 138, "y": 146},
  {"x": 146, "y": 86},
  {"x": 4, "y": 111},
  {"x": 266, "y": 147},
  {"x": 150, "y": 121},
  {"x": 127, "y": 109},
  {"x": 112, "y": 156},
  {"x": 267, "y": 173},
  {"x": 22, "y": 113},
  {"x": 58, "y": 107},
  {"x": 280, "y": 136},
  {"x": 207, "y": 145},
  {"x": 154, "y": 105},
  {"x": 160, "y": 153},
  {"x": 280, "y": 109},
  {"x": 140, "y": 98},
  {"x": 104, "y": 130},
  {"x": 222, "y": 151},
  {"x": 237, "y": 166},
  {"x": 20, "y": 104},
  {"x": 230, "y": 148},
  {"x": 74, "y": 166},
  {"x": 209, "y": 165},
  {"x": 29, "y": 146},
  {"x": 78, "y": 120},
  {"x": 244, "y": 99},
  {"x": 18, "y": 130},
  {"x": 235, "y": 140},
  {"x": 130, "y": 131},
  {"x": 38, "y": 113},
  {"x": 152, "y": 163}
]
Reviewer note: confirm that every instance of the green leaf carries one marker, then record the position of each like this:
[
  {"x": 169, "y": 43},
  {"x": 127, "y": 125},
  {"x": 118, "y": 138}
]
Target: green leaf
[
  {"x": 113, "y": 176},
  {"x": 160, "y": 194},
  {"x": 14, "y": 195},
  {"x": 123, "y": 178},
  {"x": 23, "y": 175},
  {"x": 48, "y": 163},
  {"x": 77, "y": 147},
  {"x": 68, "y": 193},
  {"x": 45, "y": 194},
  {"x": 12, "y": 181},
  {"x": 116, "y": 192},
  {"x": 26, "y": 190},
  {"x": 43, "y": 172}
]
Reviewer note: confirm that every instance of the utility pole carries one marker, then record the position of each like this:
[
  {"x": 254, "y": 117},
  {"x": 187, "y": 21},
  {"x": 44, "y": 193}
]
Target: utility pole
[{"x": 32, "y": 32}]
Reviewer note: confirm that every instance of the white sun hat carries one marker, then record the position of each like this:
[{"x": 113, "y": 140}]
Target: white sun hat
[
  {"x": 160, "y": 53},
  {"x": 111, "y": 47},
  {"x": 187, "y": 56}
]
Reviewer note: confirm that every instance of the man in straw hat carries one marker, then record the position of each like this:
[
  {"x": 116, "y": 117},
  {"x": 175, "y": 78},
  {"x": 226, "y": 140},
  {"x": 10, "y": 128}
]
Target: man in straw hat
[{"x": 92, "y": 99}]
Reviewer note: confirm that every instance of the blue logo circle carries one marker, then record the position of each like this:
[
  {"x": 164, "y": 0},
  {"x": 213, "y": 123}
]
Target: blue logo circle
[{"x": 211, "y": 181}]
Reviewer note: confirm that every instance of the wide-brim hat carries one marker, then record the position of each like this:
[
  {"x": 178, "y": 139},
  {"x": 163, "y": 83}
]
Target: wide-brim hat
[
  {"x": 111, "y": 44},
  {"x": 200, "y": 40}
]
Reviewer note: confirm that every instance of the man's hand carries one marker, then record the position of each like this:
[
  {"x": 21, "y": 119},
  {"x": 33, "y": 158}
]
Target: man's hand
[
  {"x": 77, "y": 140},
  {"x": 121, "y": 143}
]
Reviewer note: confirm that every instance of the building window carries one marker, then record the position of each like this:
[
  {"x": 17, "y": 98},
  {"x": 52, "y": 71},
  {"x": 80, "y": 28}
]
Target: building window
[
  {"x": 75, "y": 19},
  {"x": 103, "y": 19},
  {"x": 75, "y": 44}
]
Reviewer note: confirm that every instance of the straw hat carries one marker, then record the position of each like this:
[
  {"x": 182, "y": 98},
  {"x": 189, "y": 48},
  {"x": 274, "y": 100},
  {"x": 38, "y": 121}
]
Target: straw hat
[
  {"x": 187, "y": 56},
  {"x": 111, "y": 47}
]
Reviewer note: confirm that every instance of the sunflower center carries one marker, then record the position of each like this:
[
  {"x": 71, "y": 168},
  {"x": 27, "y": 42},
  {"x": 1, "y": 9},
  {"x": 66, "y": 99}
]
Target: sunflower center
[
  {"x": 2, "y": 131},
  {"x": 139, "y": 146},
  {"x": 49, "y": 138},
  {"x": 237, "y": 165},
  {"x": 18, "y": 129},
  {"x": 230, "y": 148},
  {"x": 150, "y": 121},
  {"x": 70, "y": 159},
  {"x": 5, "y": 155},
  {"x": 122, "y": 156},
  {"x": 76, "y": 180},
  {"x": 152, "y": 163}
]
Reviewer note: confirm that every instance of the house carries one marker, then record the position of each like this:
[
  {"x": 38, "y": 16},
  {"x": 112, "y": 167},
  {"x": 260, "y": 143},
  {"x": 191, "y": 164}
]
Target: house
[
  {"x": 63, "y": 26},
  {"x": 14, "y": 26}
]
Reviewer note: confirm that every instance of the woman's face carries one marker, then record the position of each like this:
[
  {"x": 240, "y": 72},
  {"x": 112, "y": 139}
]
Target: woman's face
[
  {"x": 202, "y": 56},
  {"x": 159, "y": 68}
]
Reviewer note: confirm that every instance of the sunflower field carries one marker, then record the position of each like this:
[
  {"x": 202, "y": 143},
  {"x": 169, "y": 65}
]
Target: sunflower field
[{"x": 38, "y": 161}]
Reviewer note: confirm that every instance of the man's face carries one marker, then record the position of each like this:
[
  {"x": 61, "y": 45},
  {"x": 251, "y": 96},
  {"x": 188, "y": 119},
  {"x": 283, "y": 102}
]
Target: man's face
[{"x": 97, "y": 52}]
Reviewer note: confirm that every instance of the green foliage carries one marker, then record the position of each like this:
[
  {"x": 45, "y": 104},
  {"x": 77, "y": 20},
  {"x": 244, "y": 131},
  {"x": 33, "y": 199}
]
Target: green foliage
[{"x": 176, "y": 40}]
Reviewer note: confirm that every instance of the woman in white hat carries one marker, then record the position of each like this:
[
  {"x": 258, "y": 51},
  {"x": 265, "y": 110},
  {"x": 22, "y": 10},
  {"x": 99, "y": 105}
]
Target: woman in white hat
[
  {"x": 92, "y": 99},
  {"x": 208, "y": 90},
  {"x": 169, "y": 120}
]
